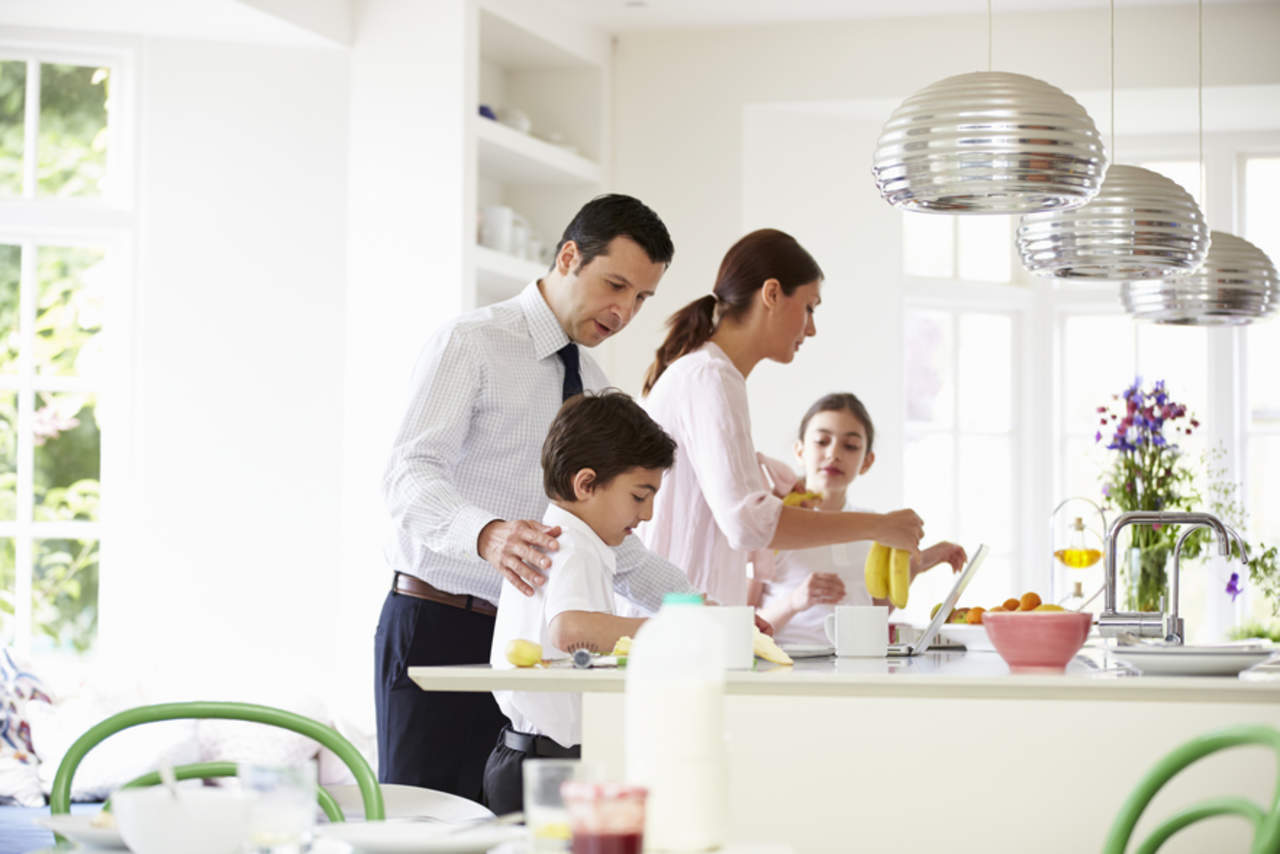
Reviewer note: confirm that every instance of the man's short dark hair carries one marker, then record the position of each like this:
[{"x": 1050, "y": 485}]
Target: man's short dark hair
[
  {"x": 606, "y": 432},
  {"x": 615, "y": 215}
]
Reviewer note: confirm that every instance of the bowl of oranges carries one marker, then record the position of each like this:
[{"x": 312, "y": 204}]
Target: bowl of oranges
[{"x": 1036, "y": 637}]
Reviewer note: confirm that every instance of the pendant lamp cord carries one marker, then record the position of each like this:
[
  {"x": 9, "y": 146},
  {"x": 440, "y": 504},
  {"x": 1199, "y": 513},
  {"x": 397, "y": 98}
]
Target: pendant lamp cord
[
  {"x": 988, "y": 35},
  {"x": 1112, "y": 74},
  {"x": 1200, "y": 87}
]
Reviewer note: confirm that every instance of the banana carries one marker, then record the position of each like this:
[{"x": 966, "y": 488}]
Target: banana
[
  {"x": 622, "y": 646},
  {"x": 899, "y": 577},
  {"x": 876, "y": 571},
  {"x": 795, "y": 499},
  {"x": 523, "y": 653},
  {"x": 765, "y": 647}
]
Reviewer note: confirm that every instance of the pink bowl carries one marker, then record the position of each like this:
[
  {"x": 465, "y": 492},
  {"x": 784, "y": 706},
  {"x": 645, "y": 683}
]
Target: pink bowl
[{"x": 1037, "y": 640}]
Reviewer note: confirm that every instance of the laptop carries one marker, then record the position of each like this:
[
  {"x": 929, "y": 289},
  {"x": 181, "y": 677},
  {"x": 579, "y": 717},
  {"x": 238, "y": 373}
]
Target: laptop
[{"x": 902, "y": 650}]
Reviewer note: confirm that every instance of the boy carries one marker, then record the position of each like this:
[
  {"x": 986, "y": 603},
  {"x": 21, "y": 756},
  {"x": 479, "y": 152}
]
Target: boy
[{"x": 602, "y": 463}]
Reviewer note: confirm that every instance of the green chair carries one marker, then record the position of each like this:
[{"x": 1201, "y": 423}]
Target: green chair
[
  {"x": 1266, "y": 824},
  {"x": 371, "y": 793}
]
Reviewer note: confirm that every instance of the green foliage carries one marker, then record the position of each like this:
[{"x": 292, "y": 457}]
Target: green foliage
[
  {"x": 1255, "y": 629},
  {"x": 13, "y": 99},
  {"x": 1224, "y": 502},
  {"x": 72, "y": 148}
]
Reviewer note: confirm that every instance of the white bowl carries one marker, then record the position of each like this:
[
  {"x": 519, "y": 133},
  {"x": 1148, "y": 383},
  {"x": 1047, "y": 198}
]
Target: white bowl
[{"x": 198, "y": 821}]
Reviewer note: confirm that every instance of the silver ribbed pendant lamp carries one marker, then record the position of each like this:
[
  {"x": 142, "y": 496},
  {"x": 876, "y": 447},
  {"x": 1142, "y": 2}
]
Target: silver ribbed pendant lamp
[
  {"x": 989, "y": 142},
  {"x": 1236, "y": 284},
  {"x": 1140, "y": 226}
]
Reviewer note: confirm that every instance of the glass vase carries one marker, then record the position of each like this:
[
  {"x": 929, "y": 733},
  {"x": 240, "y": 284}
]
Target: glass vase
[{"x": 1148, "y": 581}]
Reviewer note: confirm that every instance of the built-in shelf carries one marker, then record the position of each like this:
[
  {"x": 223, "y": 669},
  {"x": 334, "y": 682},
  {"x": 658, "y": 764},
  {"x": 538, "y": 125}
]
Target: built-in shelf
[
  {"x": 509, "y": 156},
  {"x": 499, "y": 275}
]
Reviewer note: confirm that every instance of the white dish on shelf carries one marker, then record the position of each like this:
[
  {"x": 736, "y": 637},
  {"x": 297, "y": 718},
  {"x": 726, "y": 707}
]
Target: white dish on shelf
[
  {"x": 808, "y": 650},
  {"x": 80, "y": 828},
  {"x": 1223, "y": 660},
  {"x": 974, "y": 638},
  {"x": 406, "y": 837}
]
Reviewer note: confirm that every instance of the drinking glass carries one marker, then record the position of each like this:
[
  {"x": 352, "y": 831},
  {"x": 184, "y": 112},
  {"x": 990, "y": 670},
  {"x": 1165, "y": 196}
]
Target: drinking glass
[
  {"x": 544, "y": 810},
  {"x": 282, "y": 812}
]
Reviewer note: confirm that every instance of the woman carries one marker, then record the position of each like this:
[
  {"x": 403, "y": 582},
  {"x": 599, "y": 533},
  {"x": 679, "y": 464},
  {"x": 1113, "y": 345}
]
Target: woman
[{"x": 715, "y": 505}]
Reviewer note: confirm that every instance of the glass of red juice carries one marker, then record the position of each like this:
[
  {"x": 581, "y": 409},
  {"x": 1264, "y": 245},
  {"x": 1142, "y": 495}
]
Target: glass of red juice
[{"x": 605, "y": 818}]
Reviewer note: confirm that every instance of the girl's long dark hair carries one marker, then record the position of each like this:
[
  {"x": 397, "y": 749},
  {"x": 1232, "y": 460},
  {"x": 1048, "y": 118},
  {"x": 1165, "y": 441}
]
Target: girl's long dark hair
[{"x": 760, "y": 255}]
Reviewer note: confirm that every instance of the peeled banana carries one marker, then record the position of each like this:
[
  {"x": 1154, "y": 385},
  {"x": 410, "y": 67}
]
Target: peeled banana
[
  {"x": 765, "y": 647},
  {"x": 888, "y": 574},
  {"x": 523, "y": 653}
]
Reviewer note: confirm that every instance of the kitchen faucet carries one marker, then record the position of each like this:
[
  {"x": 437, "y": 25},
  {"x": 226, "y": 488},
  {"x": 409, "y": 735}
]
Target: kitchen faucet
[{"x": 1112, "y": 623}]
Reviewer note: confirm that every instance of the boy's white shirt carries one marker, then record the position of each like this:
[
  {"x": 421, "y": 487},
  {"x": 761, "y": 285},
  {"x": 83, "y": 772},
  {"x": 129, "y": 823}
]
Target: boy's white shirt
[{"x": 580, "y": 579}]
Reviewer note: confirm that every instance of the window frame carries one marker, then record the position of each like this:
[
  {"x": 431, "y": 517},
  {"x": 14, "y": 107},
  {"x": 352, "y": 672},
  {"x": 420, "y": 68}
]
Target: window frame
[
  {"x": 956, "y": 297},
  {"x": 107, "y": 222}
]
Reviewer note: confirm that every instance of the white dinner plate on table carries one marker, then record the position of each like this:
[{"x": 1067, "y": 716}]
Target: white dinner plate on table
[
  {"x": 809, "y": 650},
  {"x": 1192, "y": 660},
  {"x": 79, "y": 829},
  {"x": 408, "y": 836},
  {"x": 408, "y": 801},
  {"x": 974, "y": 638}
]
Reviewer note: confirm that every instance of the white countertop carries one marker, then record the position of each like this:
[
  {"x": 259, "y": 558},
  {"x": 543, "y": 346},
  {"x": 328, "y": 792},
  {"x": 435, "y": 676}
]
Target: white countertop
[{"x": 951, "y": 675}]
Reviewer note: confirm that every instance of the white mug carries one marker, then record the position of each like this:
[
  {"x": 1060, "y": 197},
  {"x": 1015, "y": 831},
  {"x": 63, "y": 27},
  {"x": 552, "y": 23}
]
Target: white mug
[
  {"x": 859, "y": 630},
  {"x": 497, "y": 227},
  {"x": 737, "y": 631}
]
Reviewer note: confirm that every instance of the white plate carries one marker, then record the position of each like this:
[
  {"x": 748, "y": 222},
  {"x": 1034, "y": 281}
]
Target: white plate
[
  {"x": 808, "y": 650},
  {"x": 974, "y": 638},
  {"x": 1191, "y": 660},
  {"x": 403, "y": 837},
  {"x": 407, "y": 801},
  {"x": 79, "y": 829}
]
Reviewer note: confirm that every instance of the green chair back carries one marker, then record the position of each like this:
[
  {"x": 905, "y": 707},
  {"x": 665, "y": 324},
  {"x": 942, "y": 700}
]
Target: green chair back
[
  {"x": 1266, "y": 824},
  {"x": 370, "y": 792}
]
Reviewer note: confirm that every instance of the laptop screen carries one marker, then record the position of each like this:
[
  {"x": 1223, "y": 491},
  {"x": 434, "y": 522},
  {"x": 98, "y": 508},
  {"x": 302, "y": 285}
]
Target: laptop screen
[{"x": 949, "y": 604}]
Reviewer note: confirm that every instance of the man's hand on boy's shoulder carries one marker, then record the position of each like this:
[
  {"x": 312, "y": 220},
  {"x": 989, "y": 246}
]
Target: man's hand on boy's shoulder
[{"x": 518, "y": 550}]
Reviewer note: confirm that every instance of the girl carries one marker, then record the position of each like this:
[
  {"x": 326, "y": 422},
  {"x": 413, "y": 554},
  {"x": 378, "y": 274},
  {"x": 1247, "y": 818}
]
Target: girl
[
  {"x": 715, "y": 506},
  {"x": 834, "y": 447}
]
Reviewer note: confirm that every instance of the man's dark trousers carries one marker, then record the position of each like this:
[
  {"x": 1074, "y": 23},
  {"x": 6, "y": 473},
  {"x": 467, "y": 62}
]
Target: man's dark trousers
[{"x": 439, "y": 740}]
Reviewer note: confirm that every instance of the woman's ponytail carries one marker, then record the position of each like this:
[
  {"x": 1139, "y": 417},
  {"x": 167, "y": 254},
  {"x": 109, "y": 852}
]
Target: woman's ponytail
[
  {"x": 687, "y": 330},
  {"x": 759, "y": 256}
]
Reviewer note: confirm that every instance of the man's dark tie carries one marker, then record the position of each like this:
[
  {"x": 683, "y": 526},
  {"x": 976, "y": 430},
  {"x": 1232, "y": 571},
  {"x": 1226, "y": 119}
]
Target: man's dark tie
[{"x": 572, "y": 376}]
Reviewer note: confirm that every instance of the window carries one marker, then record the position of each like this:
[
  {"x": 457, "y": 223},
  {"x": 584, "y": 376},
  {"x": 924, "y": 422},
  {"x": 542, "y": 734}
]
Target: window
[
  {"x": 961, "y": 443},
  {"x": 1262, "y": 354},
  {"x": 971, "y": 248},
  {"x": 61, "y": 234}
]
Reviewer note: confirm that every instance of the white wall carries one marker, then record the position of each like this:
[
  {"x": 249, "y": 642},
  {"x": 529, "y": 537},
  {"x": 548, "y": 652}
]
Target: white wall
[
  {"x": 231, "y": 560},
  {"x": 409, "y": 96},
  {"x": 682, "y": 102}
]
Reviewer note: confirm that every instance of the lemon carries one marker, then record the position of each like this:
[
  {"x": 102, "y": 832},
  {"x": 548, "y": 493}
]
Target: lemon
[{"x": 524, "y": 653}]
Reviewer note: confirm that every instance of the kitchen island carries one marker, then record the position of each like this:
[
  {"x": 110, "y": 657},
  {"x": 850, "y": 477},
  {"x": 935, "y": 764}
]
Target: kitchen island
[{"x": 946, "y": 751}]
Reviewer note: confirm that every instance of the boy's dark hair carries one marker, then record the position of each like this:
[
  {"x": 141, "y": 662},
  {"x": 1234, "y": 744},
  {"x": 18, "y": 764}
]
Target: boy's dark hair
[
  {"x": 841, "y": 402},
  {"x": 615, "y": 215},
  {"x": 606, "y": 432}
]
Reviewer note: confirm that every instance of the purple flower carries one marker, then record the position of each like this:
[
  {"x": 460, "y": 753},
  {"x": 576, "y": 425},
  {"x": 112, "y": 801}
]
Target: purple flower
[
  {"x": 1097, "y": 437},
  {"x": 1233, "y": 586}
]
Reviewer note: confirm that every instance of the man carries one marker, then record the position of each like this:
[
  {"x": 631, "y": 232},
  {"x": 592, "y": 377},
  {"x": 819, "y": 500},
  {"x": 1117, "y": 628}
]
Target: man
[{"x": 464, "y": 485}]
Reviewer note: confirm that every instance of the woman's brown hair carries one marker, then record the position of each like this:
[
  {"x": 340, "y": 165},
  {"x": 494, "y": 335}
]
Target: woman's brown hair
[{"x": 761, "y": 255}]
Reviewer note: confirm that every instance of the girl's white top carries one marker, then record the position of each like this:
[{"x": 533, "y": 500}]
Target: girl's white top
[
  {"x": 790, "y": 568},
  {"x": 715, "y": 505}
]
